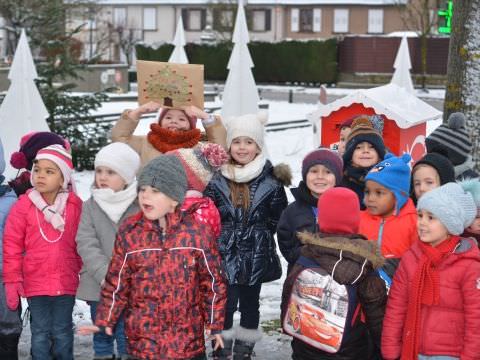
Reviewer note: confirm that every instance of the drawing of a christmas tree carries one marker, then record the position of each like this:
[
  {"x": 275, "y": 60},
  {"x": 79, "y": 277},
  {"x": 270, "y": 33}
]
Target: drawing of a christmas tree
[{"x": 167, "y": 85}]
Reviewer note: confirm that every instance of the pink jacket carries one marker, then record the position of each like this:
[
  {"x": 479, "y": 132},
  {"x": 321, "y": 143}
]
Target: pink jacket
[{"x": 45, "y": 268}]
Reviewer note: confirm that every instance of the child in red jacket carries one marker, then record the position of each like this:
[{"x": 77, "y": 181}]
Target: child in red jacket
[
  {"x": 40, "y": 259},
  {"x": 165, "y": 273},
  {"x": 433, "y": 310}
]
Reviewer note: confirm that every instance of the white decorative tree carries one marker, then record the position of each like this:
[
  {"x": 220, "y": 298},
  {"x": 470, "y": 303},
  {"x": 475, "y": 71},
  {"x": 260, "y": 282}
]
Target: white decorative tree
[
  {"x": 402, "y": 66},
  {"x": 178, "y": 55},
  {"x": 22, "y": 110},
  {"x": 240, "y": 95}
]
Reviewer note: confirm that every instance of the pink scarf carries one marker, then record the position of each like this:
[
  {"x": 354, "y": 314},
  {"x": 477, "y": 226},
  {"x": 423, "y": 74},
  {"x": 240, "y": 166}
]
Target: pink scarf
[{"x": 52, "y": 213}]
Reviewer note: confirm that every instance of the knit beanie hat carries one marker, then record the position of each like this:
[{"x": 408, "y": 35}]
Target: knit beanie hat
[
  {"x": 441, "y": 164},
  {"x": 338, "y": 211},
  {"x": 200, "y": 163},
  {"x": 61, "y": 157},
  {"x": 191, "y": 119},
  {"x": 328, "y": 158},
  {"x": 2, "y": 158},
  {"x": 29, "y": 146},
  {"x": 250, "y": 125},
  {"x": 394, "y": 174},
  {"x": 452, "y": 205},
  {"x": 473, "y": 187},
  {"x": 362, "y": 130},
  {"x": 166, "y": 174},
  {"x": 453, "y": 138},
  {"x": 121, "y": 158}
]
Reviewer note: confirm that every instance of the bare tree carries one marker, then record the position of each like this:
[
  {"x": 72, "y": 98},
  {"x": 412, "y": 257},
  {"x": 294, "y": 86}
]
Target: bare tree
[
  {"x": 223, "y": 16},
  {"x": 127, "y": 38},
  {"x": 463, "y": 74}
]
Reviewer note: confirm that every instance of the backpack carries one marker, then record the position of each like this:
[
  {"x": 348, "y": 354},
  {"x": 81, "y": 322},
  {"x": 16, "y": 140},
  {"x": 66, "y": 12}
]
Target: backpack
[{"x": 320, "y": 311}]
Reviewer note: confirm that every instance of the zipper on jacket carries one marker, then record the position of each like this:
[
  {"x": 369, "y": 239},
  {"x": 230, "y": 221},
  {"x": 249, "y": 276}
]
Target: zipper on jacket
[{"x": 380, "y": 234}]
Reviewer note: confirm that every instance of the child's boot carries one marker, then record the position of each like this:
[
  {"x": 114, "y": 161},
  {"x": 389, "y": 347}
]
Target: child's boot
[
  {"x": 244, "y": 342},
  {"x": 224, "y": 353}
]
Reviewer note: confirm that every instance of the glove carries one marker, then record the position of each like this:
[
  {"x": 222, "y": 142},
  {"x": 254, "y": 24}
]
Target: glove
[{"x": 13, "y": 291}]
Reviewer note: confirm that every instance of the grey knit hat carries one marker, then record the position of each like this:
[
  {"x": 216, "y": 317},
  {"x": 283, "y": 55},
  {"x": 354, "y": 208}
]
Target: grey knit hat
[
  {"x": 166, "y": 174},
  {"x": 452, "y": 205}
]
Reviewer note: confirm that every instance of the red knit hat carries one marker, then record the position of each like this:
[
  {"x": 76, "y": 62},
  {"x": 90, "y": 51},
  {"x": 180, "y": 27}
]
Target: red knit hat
[
  {"x": 338, "y": 211},
  {"x": 191, "y": 119}
]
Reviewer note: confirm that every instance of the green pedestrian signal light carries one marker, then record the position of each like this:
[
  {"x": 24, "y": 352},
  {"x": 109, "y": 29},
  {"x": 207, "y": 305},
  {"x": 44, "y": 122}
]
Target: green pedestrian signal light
[{"x": 447, "y": 14}]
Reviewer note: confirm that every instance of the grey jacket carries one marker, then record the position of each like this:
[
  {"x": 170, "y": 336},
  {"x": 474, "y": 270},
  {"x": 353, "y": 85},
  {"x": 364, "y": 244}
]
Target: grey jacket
[{"x": 95, "y": 239}]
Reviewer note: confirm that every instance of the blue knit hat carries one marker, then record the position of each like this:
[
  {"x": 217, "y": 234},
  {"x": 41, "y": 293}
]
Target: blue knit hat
[{"x": 394, "y": 174}]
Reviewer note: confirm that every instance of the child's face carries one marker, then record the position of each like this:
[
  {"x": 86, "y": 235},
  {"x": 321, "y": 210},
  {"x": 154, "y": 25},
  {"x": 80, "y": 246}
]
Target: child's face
[
  {"x": 155, "y": 204},
  {"x": 175, "y": 120},
  {"x": 365, "y": 155},
  {"x": 475, "y": 227},
  {"x": 425, "y": 178},
  {"x": 244, "y": 149},
  {"x": 106, "y": 178},
  {"x": 378, "y": 199},
  {"x": 319, "y": 179},
  {"x": 430, "y": 229},
  {"x": 344, "y": 132},
  {"x": 47, "y": 177}
]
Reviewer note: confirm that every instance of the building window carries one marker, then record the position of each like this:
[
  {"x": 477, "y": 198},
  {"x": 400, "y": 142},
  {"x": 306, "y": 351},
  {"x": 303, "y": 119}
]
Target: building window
[
  {"x": 294, "y": 24},
  {"x": 306, "y": 20},
  {"x": 317, "y": 20},
  {"x": 194, "y": 19},
  {"x": 119, "y": 17},
  {"x": 260, "y": 20},
  {"x": 375, "y": 21},
  {"x": 223, "y": 20},
  {"x": 340, "y": 21},
  {"x": 149, "y": 19}
]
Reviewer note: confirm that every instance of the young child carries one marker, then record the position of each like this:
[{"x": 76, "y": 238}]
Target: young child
[
  {"x": 40, "y": 259},
  {"x": 10, "y": 323},
  {"x": 454, "y": 140},
  {"x": 350, "y": 260},
  {"x": 165, "y": 274},
  {"x": 321, "y": 170},
  {"x": 175, "y": 129},
  {"x": 390, "y": 217},
  {"x": 24, "y": 157},
  {"x": 250, "y": 199},
  {"x": 433, "y": 310},
  {"x": 345, "y": 129},
  {"x": 113, "y": 199},
  {"x": 200, "y": 163},
  {"x": 364, "y": 149},
  {"x": 473, "y": 187},
  {"x": 431, "y": 171}
]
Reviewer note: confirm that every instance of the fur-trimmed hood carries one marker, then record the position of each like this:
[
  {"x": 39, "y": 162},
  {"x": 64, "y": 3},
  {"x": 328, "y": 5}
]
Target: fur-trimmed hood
[
  {"x": 349, "y": 257},
  {"x": 283, "y": 173}
]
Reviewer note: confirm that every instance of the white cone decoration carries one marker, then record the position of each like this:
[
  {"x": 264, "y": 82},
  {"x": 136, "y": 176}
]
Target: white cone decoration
[
  {"x": 22, "y": 110},
  {"x": 240, "y": 95},
  {"x": 402, "y": 66},
  {"x": 178, "y": 55}
]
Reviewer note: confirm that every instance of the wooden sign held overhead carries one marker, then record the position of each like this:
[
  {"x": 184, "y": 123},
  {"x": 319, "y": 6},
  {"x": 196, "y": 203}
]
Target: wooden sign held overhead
[{"x": 171, "y": 85}]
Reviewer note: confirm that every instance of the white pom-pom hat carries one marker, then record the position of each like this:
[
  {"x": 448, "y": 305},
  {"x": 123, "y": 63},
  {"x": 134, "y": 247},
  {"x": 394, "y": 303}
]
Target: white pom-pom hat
[{"x": 250, "y": 125}]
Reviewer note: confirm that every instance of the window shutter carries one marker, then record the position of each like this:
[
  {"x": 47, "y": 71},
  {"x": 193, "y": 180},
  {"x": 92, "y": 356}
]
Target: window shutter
[
  {"x": 317, "y": 20},
  {"x": 268, "y": 20},
  {"x": 185, "y": 19},
  {"x": 203, "y": 19},
  {"x": 294, "y": 20}
]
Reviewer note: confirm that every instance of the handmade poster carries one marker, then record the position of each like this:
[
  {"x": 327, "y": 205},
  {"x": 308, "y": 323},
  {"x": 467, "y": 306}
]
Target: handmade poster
[{"x": 171, "y": 85}]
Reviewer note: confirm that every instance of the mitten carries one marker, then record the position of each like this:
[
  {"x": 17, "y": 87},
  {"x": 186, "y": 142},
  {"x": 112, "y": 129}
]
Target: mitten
[{"x": 13, "y": 291}]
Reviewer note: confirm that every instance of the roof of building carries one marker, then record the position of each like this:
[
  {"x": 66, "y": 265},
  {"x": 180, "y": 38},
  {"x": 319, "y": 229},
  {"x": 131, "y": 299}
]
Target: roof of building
[{"x": 254, "y": 2}]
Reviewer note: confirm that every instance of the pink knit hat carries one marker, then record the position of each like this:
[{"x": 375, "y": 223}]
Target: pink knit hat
[
  {"x": 191, "y": 119},
  {"x": 61, "y": 157}
]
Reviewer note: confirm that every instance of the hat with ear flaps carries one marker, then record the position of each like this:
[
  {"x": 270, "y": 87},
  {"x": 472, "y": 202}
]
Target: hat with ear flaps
[{"x": 363, "y": 131}]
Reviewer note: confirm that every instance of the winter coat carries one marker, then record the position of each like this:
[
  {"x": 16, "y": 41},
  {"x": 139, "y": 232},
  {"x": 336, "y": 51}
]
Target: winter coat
[
  {"x": 449, "y": 328},
  {"x": 246, "y": 241},
  {"x": 10, "y": 323},
  {"x": 124, "y": 128},
  {"x": 298, "y": 216},
  {"x": 204, "y": 211},
  {"x": 95, "y": 238},
  {"x": 354, "y": 179},
  {"x": 395, "y": 233},
  {"x": 465, "y": 170},
  {"x": 169, "y": 283},
  {"x": 359, "y": 258},
  {"x": 45, "y": 267}
]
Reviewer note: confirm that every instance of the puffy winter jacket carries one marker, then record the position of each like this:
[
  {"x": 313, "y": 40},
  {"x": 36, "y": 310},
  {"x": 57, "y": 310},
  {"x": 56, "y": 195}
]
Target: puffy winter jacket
[
  {"x": 204, "y": 211},
  {"x": 298, "y": 216},
  {"x": 449, "y": 328},
  {"x": 46, "y": 267},
  {"x": 246, "y": 241},
  {"x": 95, "y": 238},
  {"x": 393, "y": 234},
  {"x": 169, "y": 283},
  {"x": 354, "y": 260}
]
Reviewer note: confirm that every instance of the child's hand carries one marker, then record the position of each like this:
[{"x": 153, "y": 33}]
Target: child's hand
[
  {"x": 149, "y": 107},
  {"x": 193, "y": 111},
  {"x": 13, "y": 292},
  {"x": 217, "y": 338},
  {"x": 92, "y": 329}
]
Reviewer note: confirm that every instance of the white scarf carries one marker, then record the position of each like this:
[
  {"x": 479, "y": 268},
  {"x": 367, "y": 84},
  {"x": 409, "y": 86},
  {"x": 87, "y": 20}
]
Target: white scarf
[
  {"x": 245, "y": 173},
  {"x": 115, "y": 203}
]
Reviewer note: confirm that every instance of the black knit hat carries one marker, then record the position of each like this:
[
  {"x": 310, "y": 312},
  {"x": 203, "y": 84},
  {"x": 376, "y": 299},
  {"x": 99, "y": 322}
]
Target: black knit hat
[
  {"x": 363, "y": 131},
  {"x": 441, "y": 164},
  {"x": 453, "y": 138}
]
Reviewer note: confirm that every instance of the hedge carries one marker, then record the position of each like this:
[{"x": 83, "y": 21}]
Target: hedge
[{"x": 286, "y": 61}]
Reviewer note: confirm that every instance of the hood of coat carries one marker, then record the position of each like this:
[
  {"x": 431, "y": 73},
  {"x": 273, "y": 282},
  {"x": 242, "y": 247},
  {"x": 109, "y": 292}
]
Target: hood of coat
[
  {"x": 283, "y": 173},
  {"x": 348, "y": 257}
]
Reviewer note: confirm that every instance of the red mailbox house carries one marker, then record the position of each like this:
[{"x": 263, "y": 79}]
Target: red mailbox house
[{"x": 405, "y": 117}]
